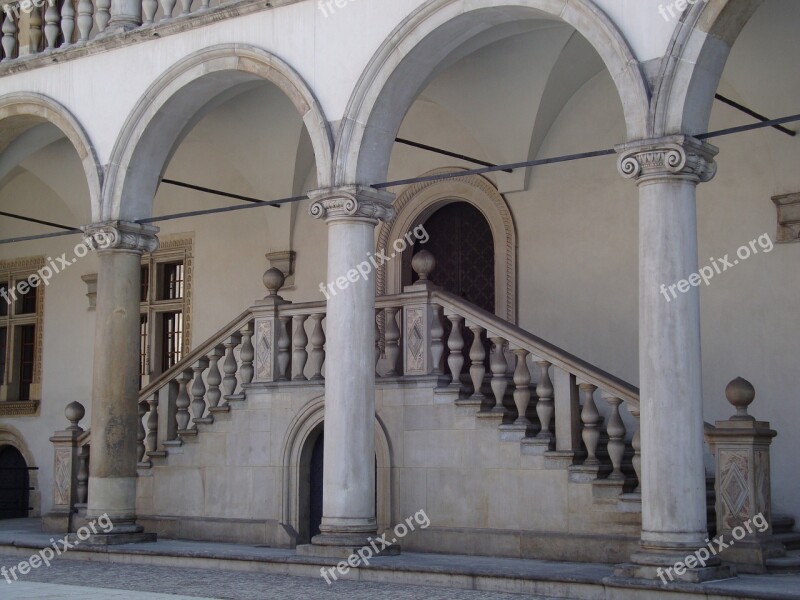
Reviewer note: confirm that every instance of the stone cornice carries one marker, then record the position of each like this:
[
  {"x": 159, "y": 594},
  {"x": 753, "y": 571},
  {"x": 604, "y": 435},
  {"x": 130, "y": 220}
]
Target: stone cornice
[
  {"x": 668, "y": 157},
  {"x": 121, "y": 235},
  {"x": 351, "y": 203}
]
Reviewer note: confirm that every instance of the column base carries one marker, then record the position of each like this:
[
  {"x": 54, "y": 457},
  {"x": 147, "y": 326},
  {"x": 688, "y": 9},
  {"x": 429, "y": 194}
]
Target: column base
[
  {"x": 121, "y": 534},
  {"x": 344, "y": 545},
  {"x": 670, "y": 566}
]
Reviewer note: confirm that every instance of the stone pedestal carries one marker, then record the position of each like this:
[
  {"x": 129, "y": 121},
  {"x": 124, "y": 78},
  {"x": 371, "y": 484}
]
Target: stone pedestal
[
  {"x": 348, "y": 513},
  {"x": 743, "y": 499},
  {"x": 115, "y": 387},
  {"x": 65, "y": 472},
  {"x": 667, "y": 172}
]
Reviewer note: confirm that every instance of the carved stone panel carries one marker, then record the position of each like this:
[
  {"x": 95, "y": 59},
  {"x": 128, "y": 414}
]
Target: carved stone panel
[
  {"x": 415, "y": 337},
  {"x": 735, "y": 476},
  {"x": 62, "y": 484},
  {"x": 264, "y": 351}
]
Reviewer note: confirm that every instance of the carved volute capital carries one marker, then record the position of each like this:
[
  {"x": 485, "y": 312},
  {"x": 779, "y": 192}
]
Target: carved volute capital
[
  {"x": 672, "y": 156},
  {"x": 121, "y": 235},
  {"x": 351, "y": 202}
]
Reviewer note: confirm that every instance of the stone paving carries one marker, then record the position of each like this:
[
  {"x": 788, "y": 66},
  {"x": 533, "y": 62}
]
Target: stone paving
[{"x": 84, "y": 580}]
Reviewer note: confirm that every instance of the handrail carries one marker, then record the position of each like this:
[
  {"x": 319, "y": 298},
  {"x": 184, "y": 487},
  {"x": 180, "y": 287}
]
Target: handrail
[
  {"x": 196, "y": 354},
  {"x": 518, "y": 337}
]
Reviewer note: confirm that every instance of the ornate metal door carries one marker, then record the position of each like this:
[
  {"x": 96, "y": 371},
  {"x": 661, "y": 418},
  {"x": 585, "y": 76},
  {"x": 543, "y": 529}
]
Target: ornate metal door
[{"x": 461, "y": 241}]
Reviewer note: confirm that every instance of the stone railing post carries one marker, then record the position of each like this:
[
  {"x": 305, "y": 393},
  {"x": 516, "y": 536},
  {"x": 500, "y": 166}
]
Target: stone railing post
[
  {"x": 267, "y": 329},
  {"x": 742, "y": 485},
  {"x": 65, "y": 471},
  {"x": 418, "y": 319}
]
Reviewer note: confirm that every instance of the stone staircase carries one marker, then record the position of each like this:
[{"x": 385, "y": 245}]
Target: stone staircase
[{"x": 783, "y": 531}]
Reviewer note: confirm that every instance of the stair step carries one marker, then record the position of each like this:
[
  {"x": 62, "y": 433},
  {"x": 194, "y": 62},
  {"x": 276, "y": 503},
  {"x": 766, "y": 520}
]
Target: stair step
[
  {"x": 782, "y": 524},
  {"x": 785, "y": 564},
  {"x": 790, "y": 540}
]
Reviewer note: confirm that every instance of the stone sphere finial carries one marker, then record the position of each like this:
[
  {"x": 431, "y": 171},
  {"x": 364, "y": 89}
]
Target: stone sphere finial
[
  {"x": 423, "y": 264},
  {"x": 274, "y": 280},
  {"x": 74, "y": 413},
  {"x": 740, "y": 393}
]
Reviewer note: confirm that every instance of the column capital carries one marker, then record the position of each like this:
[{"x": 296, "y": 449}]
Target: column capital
[
  {"x": 351, "y": 203},
  {"x": 674, "y": 156},
  {"x": 121, "y": 235}
]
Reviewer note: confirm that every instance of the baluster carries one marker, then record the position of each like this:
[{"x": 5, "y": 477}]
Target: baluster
[
  {"x": 204, "y": 6},
  {"x": 140, "y": 433},
  {"x": 149, "y": 10},
  {"x": 230, "y": 366},
  {"x": 522, "y": 388},
  {"x": 477, "y": 366},
  {"x": 168, "y": 6},
  {"x": 51, "y": 28},
  {"x": 300, "y": 354},
  {"x": 455, "y": 343},
  {"x": 9, "y": 40},
  {"x": 246, "y": 355},
  {"x": 67, "y": 22},
  {"x": 318, "y": 346},
  {"x": 85, "y": 19},
  {"x": 103, "y": 14},
  {"x": 392, "y": 342},
  {"x": 151, "y": 441},
  {"x": 35, "y": 31},
  {"x": 182, "y": 402},
  {"x": 545, "y": 406},
  {"x": 591, "y": 424},
  {"x": 437, "y": 339},
  {"x": 199, "y": 392},
  {"x": 636, "y": 442},
  {"x": 82, "y": 489},
  {"x": 284, "y": 345},
  {"x": 214, "y": 378},
  {"x": 498, "y": 364},
  {"x": 187, "y": 8},
  {"x": 616, "y": 438}
]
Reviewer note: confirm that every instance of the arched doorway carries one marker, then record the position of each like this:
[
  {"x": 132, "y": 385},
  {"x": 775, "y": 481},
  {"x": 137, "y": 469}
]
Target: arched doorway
[
  {"x": 462, "y": 243},
  {"x": 14, "y": 484},
  {"x": 315, "y": 486}
]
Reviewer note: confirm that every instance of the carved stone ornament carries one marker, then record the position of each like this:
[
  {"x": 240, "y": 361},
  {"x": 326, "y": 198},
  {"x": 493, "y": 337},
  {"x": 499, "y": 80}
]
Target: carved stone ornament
[
  {"x": 671, "y": 156},
  {"x": 353, "y": 202},
  {"x": 121, "y": 235}
]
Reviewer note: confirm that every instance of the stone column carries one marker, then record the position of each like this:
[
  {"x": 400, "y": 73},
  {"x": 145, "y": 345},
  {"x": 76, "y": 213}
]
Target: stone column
[
  {"x": 667, "y": 172},
  {"x": 349, "y": 453},
  {"x": 115, "y": 386}
]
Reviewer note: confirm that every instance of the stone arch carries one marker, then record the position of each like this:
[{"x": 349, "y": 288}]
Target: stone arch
[
  {"x": 298, "y": 441},
  {"x": 10, "y": 436},
  {"x": 428, "y": 38},
  {"x": 692, "y": 67},
  {"x": 178, "y": 99},
  {"x": 35, "y": 108},
  {"x": 418, "y": 201}
]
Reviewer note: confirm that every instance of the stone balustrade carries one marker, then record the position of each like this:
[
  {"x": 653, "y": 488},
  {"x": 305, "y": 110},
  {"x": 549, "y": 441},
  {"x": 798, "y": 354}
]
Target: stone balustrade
[{"x": 32, "y": 27}]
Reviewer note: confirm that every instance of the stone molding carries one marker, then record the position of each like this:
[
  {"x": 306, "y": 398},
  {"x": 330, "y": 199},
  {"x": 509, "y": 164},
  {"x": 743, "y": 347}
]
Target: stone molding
[
  {"x": 788, "y": 206},
  {"x": 418, "y": 201},
  {"x": 121, "y": 235},
  {"x": 668, "y": 157},
  {"x": 351, "y": 203}
]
